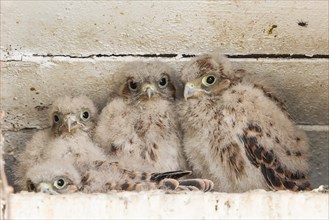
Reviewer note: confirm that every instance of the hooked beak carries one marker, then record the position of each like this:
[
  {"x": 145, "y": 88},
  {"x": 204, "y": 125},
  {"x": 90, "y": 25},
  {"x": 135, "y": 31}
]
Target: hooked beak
[
  {"x": 46, "y": 188},
  {"x": 190, "y": 90},
  {"x": 70, "y": 121},
  {"x": 149, "y": 89},
  {"x": 194, "y": 89}
]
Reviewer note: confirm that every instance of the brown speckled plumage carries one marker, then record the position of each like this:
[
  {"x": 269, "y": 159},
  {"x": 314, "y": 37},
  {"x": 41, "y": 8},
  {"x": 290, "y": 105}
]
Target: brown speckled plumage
[
  {"x": 61, "y": 177},
  {"x": 72, "y": 121},
  {"x": 238, "y": 134},
  {"x": 139, "y": 126},
  {"x": 114, "y": 177}
]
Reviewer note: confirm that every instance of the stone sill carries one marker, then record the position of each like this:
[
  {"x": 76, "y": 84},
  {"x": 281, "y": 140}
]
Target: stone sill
[{"x": 257, "y": 204}]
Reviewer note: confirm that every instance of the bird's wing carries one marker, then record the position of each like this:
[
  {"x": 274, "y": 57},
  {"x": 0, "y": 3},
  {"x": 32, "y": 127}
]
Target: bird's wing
[
  {"x": 171, "y": 174},
  {"x": 271, "y": 95},
  {"x": 165, "y": 184},
  {"x": 277, "y": 176}
]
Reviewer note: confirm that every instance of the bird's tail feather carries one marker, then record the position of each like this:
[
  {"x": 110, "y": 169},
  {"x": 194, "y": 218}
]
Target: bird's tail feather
[{"x": 171, "y": 174}]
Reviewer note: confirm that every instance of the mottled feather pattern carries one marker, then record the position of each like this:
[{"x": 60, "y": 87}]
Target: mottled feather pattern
[
  {"x": 140, "y": 123},
  {"x": 56, "y": 176},
  {"x": 238, "y": 134},
  {"x": 231, "y": 156},
  {"x": 269, "y": 93},
  {"x": 234, "y": 134},
  {"x": 276, "y": 176},
  {"x": 70, "y": 137},
  {"x": 115, "y": 177}
]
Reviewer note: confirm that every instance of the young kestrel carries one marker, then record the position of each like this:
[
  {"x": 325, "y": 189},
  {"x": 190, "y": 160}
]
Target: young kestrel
[
  {"x": 139, "y": 126},
  {"x": 236, "y": 134},
  {"x": 61, "y": 177},
  {"x": 72, "y": 122},
  {"x": 53, "y": 177},
  {"x": 105, "y": 176}
]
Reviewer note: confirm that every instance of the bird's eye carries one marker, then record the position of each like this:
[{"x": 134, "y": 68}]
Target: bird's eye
[
  {"x": 85, "y": 115},
  {"x": 132, "y": 85},
  {"x": 208, "y": 80},
  {"x": 163, "y": 82},
  {"x": 56, "y": 118},
  {"x": 30, "y": 186},
  {"x": 59, "y": 183}
]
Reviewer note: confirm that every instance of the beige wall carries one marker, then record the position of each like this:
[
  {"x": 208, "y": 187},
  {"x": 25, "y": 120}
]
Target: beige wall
[{"x": 160, "y": 205}]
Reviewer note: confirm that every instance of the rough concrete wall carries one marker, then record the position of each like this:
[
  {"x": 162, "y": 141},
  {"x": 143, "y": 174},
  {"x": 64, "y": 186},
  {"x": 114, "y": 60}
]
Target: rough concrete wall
[
  {"x": 158, "y": 205},
  {"x": 79, "y": 28},
  {"x": 52, "y": 48}
]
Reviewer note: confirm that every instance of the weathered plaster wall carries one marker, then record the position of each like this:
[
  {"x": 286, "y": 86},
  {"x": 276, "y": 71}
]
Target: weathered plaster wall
[
  {"x": 158, "y": 205},
  {"x": 137, "y": 27}
]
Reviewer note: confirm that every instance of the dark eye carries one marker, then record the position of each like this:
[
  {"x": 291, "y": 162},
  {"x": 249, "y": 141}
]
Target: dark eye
[
  {"x": 56, "y": 118},
  {"x": 59, "y": 183},
  {"x": 30, "y": 186},
  {"x": 132, "y": 85},
  {"x": 163, "y": 82},
  {"x": 84, "y": 115},
  {"x": 208, "y": 80}
]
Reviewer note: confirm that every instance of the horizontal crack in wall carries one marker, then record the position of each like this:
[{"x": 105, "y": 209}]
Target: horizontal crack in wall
[
  {"x": 173, "y": 55},
  {"x": 286, "y": 56}
]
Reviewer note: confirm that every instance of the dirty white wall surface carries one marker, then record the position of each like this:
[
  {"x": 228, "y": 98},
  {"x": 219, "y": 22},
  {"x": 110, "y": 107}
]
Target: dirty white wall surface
[
  {"x": 52, "y": 48},
  {"x": 158, "y": 205},
  {"x": 80, "y": 28}
]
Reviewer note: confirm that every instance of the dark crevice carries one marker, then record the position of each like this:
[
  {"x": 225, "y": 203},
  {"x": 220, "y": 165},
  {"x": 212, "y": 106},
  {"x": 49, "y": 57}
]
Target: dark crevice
[
  {"x": 11, "y": 60},
  {"x": 188, "y": 55},
  {"x": 110, "y": 55},
  {"x": 271, "y": 56},
  {"x": 25, "y": 129},
  {"x": 173, "y": 55},
  {"x": 166, "y": 55},
  {"x": 276, "y": 56}
]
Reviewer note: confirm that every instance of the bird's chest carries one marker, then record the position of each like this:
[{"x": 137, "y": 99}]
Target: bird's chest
[
  {"x": 201, "y": 127},
  {"x": 158, "y": 137},
  {"x": 152, "y": 127},
  {"x": 202, "y": 119}
]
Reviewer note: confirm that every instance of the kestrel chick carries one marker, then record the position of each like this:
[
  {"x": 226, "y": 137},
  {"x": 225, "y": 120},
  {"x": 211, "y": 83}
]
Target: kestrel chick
[
  {"x": 140, "y": 121},
  {"x": 61, "y": 177},
  {"x": 105, "y": 176},
  {"x": 70, "y": 136},
  {"x": 70, "y": 115},
  {"x": 53, "y": 177},
  {"x": 235, "y": 134}
]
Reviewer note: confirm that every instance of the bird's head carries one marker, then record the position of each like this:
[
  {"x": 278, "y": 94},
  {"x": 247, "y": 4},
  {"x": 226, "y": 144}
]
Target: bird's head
[
  {"x": 53, "y": 177},
  {"x": 207, "y": 75},
  {"x": 58, "y": 185},
  {"x": 71, "y": 114},
  {"x": 150, "y": 89},
  {"x": 146, "y": 82},
  {"x": 209, "y": 84}
]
